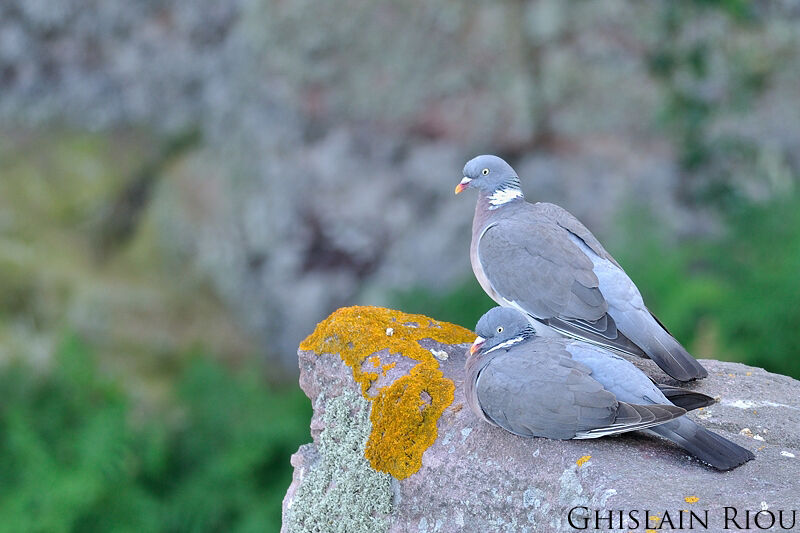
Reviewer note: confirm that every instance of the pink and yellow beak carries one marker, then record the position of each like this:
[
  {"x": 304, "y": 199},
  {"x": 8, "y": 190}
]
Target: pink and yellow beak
[
  {"x": 463, "y": 185},
  {"x": 476, "y": 345}
]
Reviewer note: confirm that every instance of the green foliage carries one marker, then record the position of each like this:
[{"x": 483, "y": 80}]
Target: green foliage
[
  {"x": 742, "y": 287},
  {"x": 759, "y": 261},
  {"x": 64, "y": 447},
  {"x": 72, "y": 458}
]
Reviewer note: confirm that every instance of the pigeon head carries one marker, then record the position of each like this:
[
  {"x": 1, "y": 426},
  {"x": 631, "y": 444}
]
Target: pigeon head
[
  {"x": 492, "y": 176},
  {"x": 501, "y": 328}
]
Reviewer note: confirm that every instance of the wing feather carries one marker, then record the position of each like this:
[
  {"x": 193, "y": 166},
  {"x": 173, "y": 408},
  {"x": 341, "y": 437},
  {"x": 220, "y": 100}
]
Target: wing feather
[
  {"x": 530, "y": 262},
  {"x": 547, "y": 276}
]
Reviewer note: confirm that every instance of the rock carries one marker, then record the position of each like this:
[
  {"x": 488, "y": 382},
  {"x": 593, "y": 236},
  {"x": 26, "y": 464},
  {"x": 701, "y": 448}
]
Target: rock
[{"x": 395, "y": 448}]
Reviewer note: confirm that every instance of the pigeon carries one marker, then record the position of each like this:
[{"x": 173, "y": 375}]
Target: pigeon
[
  {"x": 561, "y": 388},
  {"x": 541, "y": 260}
]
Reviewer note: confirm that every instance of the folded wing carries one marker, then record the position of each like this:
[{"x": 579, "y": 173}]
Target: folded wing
[{"x": 540, "y": 391}]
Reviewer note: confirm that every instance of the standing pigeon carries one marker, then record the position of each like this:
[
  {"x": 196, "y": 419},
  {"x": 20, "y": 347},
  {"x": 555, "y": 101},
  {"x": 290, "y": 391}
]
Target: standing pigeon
[
  {"x": 541, "y": 260},
  {"x": 561, "y": 388}
]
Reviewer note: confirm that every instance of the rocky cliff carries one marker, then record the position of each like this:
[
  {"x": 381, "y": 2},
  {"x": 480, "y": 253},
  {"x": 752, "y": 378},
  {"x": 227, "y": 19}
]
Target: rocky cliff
[
  {"x": 395, "y": 448},
  {"x": 333, "y": 135}
]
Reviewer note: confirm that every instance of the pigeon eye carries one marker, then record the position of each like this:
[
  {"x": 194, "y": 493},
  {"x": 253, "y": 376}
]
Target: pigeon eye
[
  {"x": 500, "y": 329},
  {"x": 485, "y": 171}
]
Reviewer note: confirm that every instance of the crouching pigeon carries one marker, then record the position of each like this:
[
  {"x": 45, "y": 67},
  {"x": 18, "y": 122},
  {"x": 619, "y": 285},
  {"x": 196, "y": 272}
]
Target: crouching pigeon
[{"x": 561, "y": 388}]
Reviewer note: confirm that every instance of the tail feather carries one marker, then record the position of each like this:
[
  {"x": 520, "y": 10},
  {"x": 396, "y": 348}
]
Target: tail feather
[
  {"x": 667, "y": 350},
  {"x": 660, "y": 346},
  {"x": 707, "y": 446},
  {"x": 688, "y": 399}
]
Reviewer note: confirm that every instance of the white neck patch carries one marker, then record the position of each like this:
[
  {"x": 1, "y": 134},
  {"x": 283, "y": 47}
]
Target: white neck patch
[
  {"x": 503, "y": 196},
  {"x": 506, "y": 344}
]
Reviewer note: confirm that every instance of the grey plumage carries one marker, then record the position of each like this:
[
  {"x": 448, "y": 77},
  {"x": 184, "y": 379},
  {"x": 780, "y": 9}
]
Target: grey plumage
[
  {"x": 561, "y": 388},
  {"x": 541, "y": 260},
  {"x": 628, "y": 383},
  {"x": 535, "y": 388}
]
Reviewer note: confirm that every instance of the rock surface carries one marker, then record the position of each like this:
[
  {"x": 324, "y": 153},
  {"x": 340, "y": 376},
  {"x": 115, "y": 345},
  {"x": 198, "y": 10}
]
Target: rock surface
[{"x": 475, "y": 477}]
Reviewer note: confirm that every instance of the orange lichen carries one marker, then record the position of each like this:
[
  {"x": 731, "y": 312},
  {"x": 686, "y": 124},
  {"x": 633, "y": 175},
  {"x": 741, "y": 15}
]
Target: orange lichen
[
  {"x": 403, "y": 418},
  {"x": 582, "y": 460},
  {"x": 385, "y": 368},
  {"x": 691, "y": 499}
]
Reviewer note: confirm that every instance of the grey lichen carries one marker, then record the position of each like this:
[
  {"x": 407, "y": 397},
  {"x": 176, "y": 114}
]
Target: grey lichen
[
  {"x": 571, "y": 491},
  {"x": 341, "y": 493}
]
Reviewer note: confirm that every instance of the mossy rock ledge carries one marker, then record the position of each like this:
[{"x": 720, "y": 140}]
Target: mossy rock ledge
[{"x": 395, "y": 448}]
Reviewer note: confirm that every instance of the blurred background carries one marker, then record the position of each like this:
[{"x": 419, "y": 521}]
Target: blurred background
[{"x": 188, "y": 186}]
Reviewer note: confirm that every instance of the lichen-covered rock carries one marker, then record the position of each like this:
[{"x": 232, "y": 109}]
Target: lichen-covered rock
[
  {"x": 421, "y": 461},
  {"x": 397, "y": 374},
  {"x": 340, "y": 492}
]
